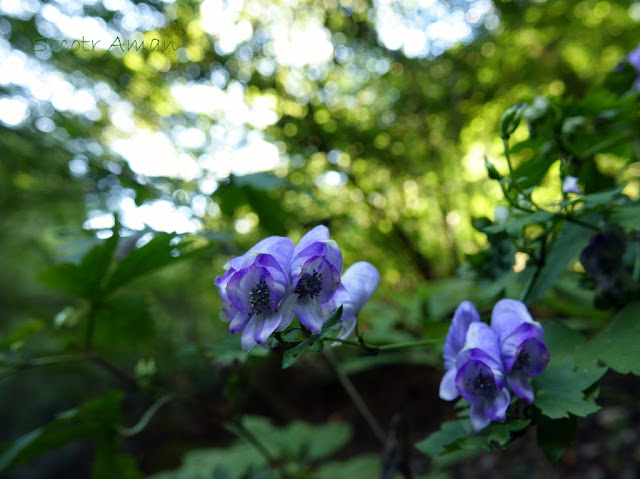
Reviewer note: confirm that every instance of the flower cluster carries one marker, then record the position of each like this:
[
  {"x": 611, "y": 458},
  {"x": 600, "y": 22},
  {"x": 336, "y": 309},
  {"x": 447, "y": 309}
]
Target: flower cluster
[
  {"x": 481, "y": 361},
  {"x": 263, "y": 289}
]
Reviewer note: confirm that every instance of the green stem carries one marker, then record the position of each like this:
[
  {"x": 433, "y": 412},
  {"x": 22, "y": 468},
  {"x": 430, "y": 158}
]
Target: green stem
[
  {"x": 505, "y": 144},
  {"x": 357, "y": 400},
  {"x": 529, "y": 286},
  {"x": 43, "y": 361},
  {"x": 636, "y": 265},
  {"x": 409, "y": 344},
  {"x": 386, "y": 347},
  {"x": 144, "y": 420}
]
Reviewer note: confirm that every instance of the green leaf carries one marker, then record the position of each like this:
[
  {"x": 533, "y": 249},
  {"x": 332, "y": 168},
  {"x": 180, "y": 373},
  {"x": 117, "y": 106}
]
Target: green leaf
[
  {"x": 22, "y": 332},
  {"x": 262, "y": 181},
  {"x": 446, "y": 438},
  {"x": 564, "y": 249},
  {"x": 457, "y": 435},
  {"x": 88, "y": 420},
  {"x": 560, "y": 340},
  {"x": 530, "y": 173},
  {"x": 292, "y": 355},
  {"x": 560, "y": 388},
  {"x": 123, "y": 318},
  {"x": 555, "y": 435},
  {"x": 364, "y": 465},
  {"x": 327, "y": 439},
  {"x": 494, "y": 435},
  {"x": 108, "y": 463},
  {"x": 515, "y": 225},
  {"x": 85, "y": 279},
  {"x": 627, "y": 216},
  {"x": 617, "y": 344},
  {"x": 157, "y": 253},
  {"x": 254, "y": 189}
]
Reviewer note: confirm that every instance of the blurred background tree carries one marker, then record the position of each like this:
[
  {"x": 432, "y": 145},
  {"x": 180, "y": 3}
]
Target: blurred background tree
[{"x": 259, "y": 118}]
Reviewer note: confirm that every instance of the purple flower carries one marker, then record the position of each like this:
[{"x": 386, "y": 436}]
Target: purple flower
[
  {"x": 634, "y": 59},
  {"x": 570, "y": 185},
  {"x": 522, "y": 347},
  {"x": 256, "y": 293},
  {"x": 359, "y": 282},
  {"x": 480, "y": 376},
  {"x": 464, "y": 315},
  {"x": 315, "y": 276}
]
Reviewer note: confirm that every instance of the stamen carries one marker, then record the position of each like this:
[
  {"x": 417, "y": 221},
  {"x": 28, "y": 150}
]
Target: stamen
[
  {"x": 484, "y": 385},
  {"x": 522, "y": 361},
  {"x": 309, "y": 285},
  {"x": 260, "y": 297}
]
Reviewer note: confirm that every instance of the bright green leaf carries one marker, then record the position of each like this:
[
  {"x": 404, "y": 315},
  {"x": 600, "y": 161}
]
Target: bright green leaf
[
  {"x": 617, "y": 345},
  {"x": 560, "y": 388}
]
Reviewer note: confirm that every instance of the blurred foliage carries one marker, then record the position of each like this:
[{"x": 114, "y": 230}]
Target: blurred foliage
[{"x": 386, "y": 149}]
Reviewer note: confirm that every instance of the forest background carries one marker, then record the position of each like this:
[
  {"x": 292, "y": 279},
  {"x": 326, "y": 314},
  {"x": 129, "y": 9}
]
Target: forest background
[{"x": 239, "y": 120}]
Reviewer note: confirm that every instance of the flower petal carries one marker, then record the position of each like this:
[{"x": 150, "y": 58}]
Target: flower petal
[
  {"x": 310, "y": 314},
  {"x": 464, "y": 315},
  {"x": 519, "y": 384},
  {"x": 239, "y": 322},
  {"x": 513, "y": 343},
  {"x": 278, "y": 246},
  {"x": 496, "y": 409},
  {"x": 360, "y": 280},
  {"x": 509, "y": 314},
  {"x": 243, "y": 282},
  {"x": 478, "y": 416},
  {"x": 481, "y": 336},
  {"x": 448, "y": 390},
  {"x": 537, "y": 357},
  {"x": 248, "y": 336},
  {"x": 345, "y": 328},
  {"x": 286, "y": 309},
  {"x": 266, "y": 325}
]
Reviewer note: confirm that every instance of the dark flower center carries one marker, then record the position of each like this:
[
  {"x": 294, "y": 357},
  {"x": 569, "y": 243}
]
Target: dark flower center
[
  {"x": 260, "y": 297},
  {"x": 309, "y": 285},
  {"x": 523, "y": 360},
  {"x": 484, "y": 386}
]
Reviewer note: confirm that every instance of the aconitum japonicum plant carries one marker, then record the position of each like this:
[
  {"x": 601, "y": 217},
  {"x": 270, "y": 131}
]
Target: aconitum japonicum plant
[
  {"x": 316, "y": 266},
  {"x": 522, "y": 347},
  {"x": 477, "y": 373},
  {"x": 263, "y": 289},
  {"x": 256, "y": 293},
  {"x": 358, "y": 283},
  {"x": 481, "y": 361}
]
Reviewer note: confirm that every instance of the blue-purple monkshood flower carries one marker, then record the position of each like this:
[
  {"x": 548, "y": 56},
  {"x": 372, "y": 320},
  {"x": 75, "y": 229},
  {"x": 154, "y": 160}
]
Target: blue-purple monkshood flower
[
  {"x": 315, "y": 276},
  {"x": 464, "y": 315},
  {"x": 256, "y": 293},
  {"x": 359, "y": 282},
  {"x": 480, "y": 376},
  {"x": 570, "y": 185},
  {"x": 522, "y": 347},
  {"x": 634, "y": 59}
]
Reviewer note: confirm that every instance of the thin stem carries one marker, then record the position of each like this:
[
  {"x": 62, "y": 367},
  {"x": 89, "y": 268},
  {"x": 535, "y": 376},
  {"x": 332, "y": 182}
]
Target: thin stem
[
  {"x": 505, "y": 144},
  {"x": 387, "y": 347},
  {"x": 144, "y": 420},
  {"x": 359, "y": 403},
  {"x": 43, "y": 361},
  {"x": 534, "y": 278},
  {"x": 636, "y": 265},
  {"x": 410, "y": 344},
  {"x": 345, "y": 341}
]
